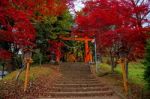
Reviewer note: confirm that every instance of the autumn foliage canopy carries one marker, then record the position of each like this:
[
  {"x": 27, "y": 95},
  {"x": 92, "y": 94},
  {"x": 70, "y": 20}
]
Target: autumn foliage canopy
[
  {"x": 18, "y": 17},
  {"x": 121, "y": 23}
]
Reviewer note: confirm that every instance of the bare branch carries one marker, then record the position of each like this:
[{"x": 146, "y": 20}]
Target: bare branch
[
  {"x": 133, "y": 2},
  {"x": 137, "y": 2},
  {"x": 142, "y": 2},
  {"x": 145, "y": 15}
]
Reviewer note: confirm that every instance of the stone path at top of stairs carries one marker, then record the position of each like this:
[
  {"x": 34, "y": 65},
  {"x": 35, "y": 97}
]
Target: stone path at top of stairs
[{"x": 78, "y": 82}]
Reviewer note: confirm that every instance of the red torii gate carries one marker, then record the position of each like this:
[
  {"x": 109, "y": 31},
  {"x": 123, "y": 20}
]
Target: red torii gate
[{"x": 86, "y": 40}]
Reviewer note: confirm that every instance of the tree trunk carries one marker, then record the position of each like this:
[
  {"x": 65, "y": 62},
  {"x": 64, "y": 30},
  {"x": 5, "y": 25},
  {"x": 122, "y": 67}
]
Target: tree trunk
[
  {"x": 126, "y": 67},
  {"x": 40, "y": 61},
  {"x": 112, "y": 62},
  {"x": 2, "y": 71},
  {"x": 100, "y": 58}
]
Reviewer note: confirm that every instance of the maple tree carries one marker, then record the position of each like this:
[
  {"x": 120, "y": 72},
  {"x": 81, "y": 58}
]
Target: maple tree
[
  {"x": 15, "y": 27},
  {"x": 18, "y": 17},
  {"x": 55, "y": 47},
  {"x": 117, "y": 25}
]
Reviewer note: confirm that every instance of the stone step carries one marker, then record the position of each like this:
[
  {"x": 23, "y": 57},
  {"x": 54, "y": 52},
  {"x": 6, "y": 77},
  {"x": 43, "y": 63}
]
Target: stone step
[
  {"x": 78, "y": 94},
  {"x": 84, "y": 89},
  {"x": 78, "y": 75},
  {"x": 90, "y": 97},
  {"x": 79, "y": 85},
  {"x": 75, "y": 67},
  {"x": 78, "y": 82},
  {"x": 77, "y": 72},
  {"x": 78, "y": 79},
  {"x": 79, "y": 68}
]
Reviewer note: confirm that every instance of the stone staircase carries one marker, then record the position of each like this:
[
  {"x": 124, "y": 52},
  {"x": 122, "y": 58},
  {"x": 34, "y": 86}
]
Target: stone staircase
[{"x": 78, "y": 82}]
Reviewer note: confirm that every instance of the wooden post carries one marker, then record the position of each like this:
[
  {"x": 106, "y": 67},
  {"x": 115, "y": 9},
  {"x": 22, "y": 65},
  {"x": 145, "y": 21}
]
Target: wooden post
[
  {"x": 125, "y": 81},
  {"x": 28, "y": 61}
]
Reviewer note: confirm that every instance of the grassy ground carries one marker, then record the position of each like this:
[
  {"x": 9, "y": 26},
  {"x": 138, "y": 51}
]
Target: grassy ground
[
  {"x": 35, "y": 72},
  {"x": 136, "y": 72}
]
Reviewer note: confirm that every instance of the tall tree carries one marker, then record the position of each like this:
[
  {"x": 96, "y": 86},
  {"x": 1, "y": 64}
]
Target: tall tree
[
  {"x": 49, "y": 29},
  {"x": 18, "y": 16},
  {"x": 116, "y": 25}
]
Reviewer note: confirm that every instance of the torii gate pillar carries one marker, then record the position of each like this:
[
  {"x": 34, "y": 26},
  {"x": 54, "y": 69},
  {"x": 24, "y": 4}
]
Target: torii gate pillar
[{"x": 87, "y": 50}]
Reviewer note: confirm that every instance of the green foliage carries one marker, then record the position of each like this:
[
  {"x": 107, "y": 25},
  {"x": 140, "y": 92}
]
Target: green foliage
[
  {"x": 147, "y": 65},
  {"x": 37, "y": 57},
  {"x": 49, "y": 28}
]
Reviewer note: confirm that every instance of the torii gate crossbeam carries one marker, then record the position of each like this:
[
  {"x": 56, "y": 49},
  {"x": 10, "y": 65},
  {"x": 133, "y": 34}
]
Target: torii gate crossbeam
[{"x": 86, "y": 40}]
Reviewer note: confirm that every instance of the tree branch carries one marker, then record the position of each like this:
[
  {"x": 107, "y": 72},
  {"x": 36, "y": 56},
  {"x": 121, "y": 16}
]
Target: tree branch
[{"x": 145, "y": 15}]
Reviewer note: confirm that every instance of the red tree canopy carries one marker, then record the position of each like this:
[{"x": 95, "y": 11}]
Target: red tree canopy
[
  {"x": 4, "y": 54},
  {"x": 15, "y": 25},
  {"x": 55, "y": 47},
  {"x": 17, "y": 18},
  {"x": 115, "y": 22}
]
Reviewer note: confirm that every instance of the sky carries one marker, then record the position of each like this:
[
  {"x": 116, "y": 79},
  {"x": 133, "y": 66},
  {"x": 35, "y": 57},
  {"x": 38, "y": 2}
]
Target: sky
[{"x": 78, "y": 4}]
